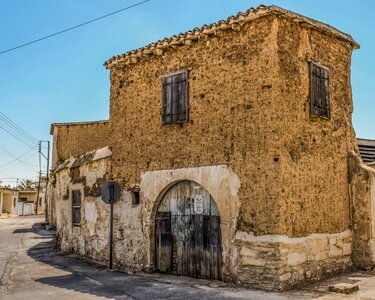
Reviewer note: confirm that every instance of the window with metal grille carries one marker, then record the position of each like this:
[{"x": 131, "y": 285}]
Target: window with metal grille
[
  {"x": 76, "y": 207},
  {"x": 319, "y": 85},
  {"x": 175, "y": 98}
]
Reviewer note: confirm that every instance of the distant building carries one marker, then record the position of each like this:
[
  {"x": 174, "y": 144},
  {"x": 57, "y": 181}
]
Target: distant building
[
  {"x": 8, "y": 201},
  {"x": 32, "y": 198},
  {"x": 235, "y": 151},
  {"x": 367, "y": 150}
]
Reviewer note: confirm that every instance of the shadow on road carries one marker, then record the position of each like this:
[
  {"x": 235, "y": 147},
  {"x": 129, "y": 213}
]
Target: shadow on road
[{"x": 96, "y": 280}]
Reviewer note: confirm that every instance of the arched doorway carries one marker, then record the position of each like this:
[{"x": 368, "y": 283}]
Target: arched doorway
[{"x": 187, "y": 232}]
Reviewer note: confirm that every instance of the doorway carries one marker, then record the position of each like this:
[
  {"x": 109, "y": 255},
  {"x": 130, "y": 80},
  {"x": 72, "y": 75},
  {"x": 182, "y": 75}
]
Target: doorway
[{"x": 187, "y": 233}]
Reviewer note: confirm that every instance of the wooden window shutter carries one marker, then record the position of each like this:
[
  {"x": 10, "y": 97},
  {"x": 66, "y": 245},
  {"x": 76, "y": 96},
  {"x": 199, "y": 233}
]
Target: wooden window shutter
[
  {"x": 320, "y": 103},
  {"x": 167, "y": 100},
  {"x": 180, "y": 96},
  {"x": 175, "y": 98}
]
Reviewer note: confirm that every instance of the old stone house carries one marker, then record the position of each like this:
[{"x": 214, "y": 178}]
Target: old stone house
[{"x": 234, "y": 147}]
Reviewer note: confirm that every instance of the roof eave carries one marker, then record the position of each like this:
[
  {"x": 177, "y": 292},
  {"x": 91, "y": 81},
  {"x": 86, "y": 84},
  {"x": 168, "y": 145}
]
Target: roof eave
[{"x": 233, "y": 22}]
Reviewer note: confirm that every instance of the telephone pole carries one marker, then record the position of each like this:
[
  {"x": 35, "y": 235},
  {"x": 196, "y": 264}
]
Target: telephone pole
[
  {"x": 40, "y": 175},
  {"x": 47, "y": 181}
]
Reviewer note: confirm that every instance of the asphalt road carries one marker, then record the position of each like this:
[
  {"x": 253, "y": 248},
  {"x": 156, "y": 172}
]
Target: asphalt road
[{"x": 30, "y": 268}]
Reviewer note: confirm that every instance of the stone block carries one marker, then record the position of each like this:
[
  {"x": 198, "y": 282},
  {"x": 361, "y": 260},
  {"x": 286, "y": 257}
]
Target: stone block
[
  {"x": 295, "y": 259},
  {"x": 248, "y": 252},
  {"x": 283, "y": 250},
  {"x": 344, "y": 288},
  {"x": 253, "y": 261},
  {"x": 285, "y": 276},
  {"x": 318, "y": 245},
  {"x": 334, "y": 251},
  {"x": 321, "y": 256},
  {"x": 346, "y": 248}
]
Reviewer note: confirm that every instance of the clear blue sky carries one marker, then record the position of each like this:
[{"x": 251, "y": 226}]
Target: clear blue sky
[{"x": 62, "y": 79}]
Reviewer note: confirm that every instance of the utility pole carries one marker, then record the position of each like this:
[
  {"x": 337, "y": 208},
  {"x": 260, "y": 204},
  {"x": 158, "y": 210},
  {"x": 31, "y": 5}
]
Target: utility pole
[
  {"x": 40, "y": 173},
  {"x": 47, "y": 176},
  {"x": 47, "y": 181}
]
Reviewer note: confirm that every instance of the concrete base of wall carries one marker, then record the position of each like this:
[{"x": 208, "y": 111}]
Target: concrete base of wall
[{"x": 277, "y": 262}]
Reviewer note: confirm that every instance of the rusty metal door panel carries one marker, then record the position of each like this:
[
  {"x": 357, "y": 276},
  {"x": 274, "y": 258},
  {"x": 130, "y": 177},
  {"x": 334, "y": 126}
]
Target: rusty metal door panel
[{"x": 194, "y": 244}]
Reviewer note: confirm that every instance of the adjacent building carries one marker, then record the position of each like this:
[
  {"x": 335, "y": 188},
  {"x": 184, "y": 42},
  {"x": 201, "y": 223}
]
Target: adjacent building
[
  {"x": 234, "y": 147},
  {"x": 8, "y": 201},
  {"x": 367, "y": 150}
]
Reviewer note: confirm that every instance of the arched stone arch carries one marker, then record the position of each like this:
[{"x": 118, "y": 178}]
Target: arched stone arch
[{"x": 220, "y": 181}]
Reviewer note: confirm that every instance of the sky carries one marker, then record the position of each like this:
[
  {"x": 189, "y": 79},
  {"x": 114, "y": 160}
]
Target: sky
[{"x": 62, "y": 79}]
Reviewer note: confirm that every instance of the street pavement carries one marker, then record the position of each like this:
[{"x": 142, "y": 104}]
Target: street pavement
[{"x": 30, "y": 268}]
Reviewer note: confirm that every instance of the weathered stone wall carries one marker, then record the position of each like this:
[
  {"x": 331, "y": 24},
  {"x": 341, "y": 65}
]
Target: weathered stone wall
[
  {"x": 72, "y": 139},
  {"x": 362, "y": 191},
  {"x": 91, "y": 238},
  {"x": 279, "y": 262},
  {"x": 249, "y": 110}
]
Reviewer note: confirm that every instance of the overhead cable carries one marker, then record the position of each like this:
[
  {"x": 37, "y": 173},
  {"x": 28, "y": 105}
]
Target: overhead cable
[
  {"x": 27, "y": 143},
  {"x": 74, "y": 27},
  {"x": 17, "y": 128},
  {"x": 15, "y": 159}
]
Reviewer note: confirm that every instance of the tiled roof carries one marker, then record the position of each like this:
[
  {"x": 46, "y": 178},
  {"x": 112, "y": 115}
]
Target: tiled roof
[
  {"x": 232, "y": 23},
  {"x": 367, "y": 150}
]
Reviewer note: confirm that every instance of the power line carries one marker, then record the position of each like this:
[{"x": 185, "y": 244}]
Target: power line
[
  {"x": 5, "y": 150},
  {"x": 16, "y": 159},
  {"x": 17, "y": 137},
  {"x": 16, "y": 132},
  {"x": 17, "y": 128},
  {"x": 74, "y": 27}
]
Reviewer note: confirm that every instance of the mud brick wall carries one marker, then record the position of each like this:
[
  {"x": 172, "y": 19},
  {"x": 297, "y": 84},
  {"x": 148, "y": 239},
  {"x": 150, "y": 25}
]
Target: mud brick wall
[
  {"x": 74, "y": 139},
  {"x": 249, "y": 110},
  {"x": 313, "y": 151}
]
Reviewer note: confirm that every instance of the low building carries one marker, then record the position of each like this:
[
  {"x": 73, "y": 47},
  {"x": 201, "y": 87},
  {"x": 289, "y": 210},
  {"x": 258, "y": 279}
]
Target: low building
[
  {"x": 235, "y": 152},
  {"x": 31, "y": 200},
  {"x": 8, "y": 201}
]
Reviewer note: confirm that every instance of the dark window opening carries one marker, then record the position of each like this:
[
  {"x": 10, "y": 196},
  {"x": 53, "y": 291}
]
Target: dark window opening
[
  {"x": 320, "y": 103},
  {"x": 175, "y": 98},
  {"x": 76, "y": 207},
  {"x": 135, "y": 198}
]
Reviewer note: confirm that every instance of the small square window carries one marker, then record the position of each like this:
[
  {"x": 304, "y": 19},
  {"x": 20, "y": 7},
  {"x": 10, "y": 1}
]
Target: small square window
[
  {"x": 175, "y": 98},
  {"x": 76, "y": 207},
  {"x": 319, "y": 86}
]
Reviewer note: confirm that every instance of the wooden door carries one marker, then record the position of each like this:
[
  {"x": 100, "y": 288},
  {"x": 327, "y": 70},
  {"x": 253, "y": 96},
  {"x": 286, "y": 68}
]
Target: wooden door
[
  {"x": 163, "y": 242},
  {"x": 188, "y": 235}
]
